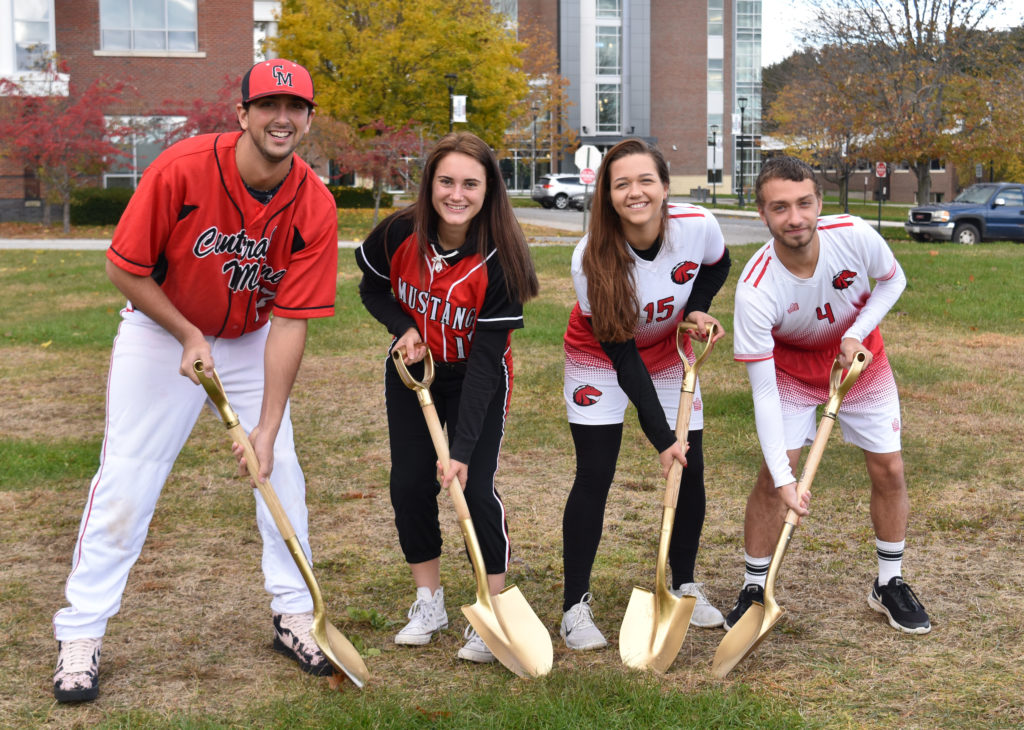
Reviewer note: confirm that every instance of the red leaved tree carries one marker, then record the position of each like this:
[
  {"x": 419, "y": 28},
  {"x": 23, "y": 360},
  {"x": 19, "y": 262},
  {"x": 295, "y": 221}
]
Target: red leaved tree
[
  {"x": 66, "y": 139},
  {"x": 203, "y": 116}
]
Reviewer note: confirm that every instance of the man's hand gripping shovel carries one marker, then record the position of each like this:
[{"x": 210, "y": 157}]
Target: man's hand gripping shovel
[
  {"x": 759, "y": 619},
  {"x": 339, "y": 651},
  {"x": 654, "y": 625},
  {"x": 505, "y": 622}
]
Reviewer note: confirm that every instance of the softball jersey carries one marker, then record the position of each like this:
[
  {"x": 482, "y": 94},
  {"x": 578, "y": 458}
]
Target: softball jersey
[{"x": 458, "y": 302}]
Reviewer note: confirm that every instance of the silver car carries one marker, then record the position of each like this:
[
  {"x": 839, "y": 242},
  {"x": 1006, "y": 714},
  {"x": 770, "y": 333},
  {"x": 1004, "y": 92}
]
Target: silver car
[{"x": 556, "y": 191}]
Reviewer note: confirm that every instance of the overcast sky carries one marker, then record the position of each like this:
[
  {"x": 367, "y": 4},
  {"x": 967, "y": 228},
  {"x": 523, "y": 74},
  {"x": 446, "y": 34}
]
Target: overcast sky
[{"x": 782, "y": 20}]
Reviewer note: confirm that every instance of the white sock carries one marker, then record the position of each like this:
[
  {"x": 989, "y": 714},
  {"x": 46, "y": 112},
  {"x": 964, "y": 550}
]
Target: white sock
[
  {"x": 757, "y": 569},
  {"x": 890, "y": 560}
]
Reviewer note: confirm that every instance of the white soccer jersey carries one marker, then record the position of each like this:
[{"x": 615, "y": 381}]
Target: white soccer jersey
[
  {"x": 801, "y": 322},
  {"x": 692, "y": 239}
]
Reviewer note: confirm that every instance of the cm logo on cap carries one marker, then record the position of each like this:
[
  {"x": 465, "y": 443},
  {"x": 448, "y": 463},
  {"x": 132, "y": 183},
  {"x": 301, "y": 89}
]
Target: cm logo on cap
[{"x": 277, "y": 76}]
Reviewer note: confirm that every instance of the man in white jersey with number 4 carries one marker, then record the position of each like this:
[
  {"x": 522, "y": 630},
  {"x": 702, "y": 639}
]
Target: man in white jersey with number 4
[{"x": 803, "y": 298}]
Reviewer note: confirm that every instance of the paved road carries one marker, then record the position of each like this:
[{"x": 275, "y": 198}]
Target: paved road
[{"x": 737, "y": 227}]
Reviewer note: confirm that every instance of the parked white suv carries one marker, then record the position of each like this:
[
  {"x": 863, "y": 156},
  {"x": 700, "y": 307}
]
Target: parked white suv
[{"x": 556, "y": 191}]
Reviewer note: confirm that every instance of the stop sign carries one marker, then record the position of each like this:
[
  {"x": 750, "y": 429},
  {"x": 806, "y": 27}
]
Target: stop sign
[
  {"x": 587, "y": 176},
  {"x": 880, "y": 169}
]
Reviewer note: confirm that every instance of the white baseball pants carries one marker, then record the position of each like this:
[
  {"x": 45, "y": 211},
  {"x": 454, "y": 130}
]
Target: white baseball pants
[{"x": 151, "y": 410}]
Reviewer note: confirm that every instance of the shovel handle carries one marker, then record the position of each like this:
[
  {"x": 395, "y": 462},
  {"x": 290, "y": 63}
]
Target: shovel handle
[
  {"x": 686, "y": 392},
  {"x": 214, "y": 388},
  {"x": 838, "y": 387}
]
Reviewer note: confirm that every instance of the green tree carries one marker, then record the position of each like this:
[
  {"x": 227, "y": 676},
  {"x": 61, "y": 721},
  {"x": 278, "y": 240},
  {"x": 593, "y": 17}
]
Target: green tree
[{"x": 384, "y": 61}]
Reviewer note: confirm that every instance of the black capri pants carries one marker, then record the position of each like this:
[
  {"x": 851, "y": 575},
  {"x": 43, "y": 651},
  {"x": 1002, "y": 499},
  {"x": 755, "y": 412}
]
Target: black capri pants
[{"x": 414, "y": 485}]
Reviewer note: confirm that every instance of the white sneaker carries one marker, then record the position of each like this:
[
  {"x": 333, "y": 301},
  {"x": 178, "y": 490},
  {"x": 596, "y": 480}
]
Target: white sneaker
[
  {"x": 704, "y": 615},
  {"x": 475, "y": 650},
  {"x": 426, "y": 616},
  {"x": 76, "y": 678},
  {"x": 578, "y": 628}
]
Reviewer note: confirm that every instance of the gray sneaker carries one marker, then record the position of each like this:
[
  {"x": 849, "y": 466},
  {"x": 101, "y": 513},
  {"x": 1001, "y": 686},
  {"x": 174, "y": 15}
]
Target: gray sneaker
[
  {"x": 704, "y": 615},
  {"x": 77, "y": 677},
  {"x": 578, "y": 627},
  {"x": 426, "y": 616},
  {"x": 292, "y": 638}
]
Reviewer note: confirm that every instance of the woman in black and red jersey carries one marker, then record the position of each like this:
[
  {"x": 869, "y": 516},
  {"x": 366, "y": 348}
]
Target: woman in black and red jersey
[
  {"x": 644, "y": 266},
  {"x": 450, "y": 272}
]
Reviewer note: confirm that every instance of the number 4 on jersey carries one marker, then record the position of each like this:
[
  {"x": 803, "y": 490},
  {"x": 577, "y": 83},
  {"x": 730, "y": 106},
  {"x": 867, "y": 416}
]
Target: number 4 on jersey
[{"x": 826, "y": 313}]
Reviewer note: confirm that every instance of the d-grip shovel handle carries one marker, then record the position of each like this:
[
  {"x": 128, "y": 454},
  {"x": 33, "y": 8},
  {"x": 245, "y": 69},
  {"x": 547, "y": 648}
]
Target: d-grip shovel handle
[
  {"x": 422, "y": 390},
  {"x": 214, "y": 388},
  {"x": 686, "y": 392},
  {"x": 838, "y": 387}
]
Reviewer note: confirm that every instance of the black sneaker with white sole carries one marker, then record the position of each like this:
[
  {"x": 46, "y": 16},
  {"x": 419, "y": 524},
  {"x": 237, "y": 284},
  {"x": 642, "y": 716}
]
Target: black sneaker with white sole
[
  {"x": 900, "y": 605},
  {"x": 750, "y": 593},
  {"x": 77, "y": 677}
]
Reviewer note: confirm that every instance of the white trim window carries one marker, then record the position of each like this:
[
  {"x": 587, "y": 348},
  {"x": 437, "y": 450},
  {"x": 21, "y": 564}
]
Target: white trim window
[
  {"x": 146, "y": 139},
  {"x": 149, "y": 26}
]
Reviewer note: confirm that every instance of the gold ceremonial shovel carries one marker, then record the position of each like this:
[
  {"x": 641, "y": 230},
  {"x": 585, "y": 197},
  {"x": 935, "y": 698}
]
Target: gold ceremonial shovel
[
  {"x": 755, "y": 624},
  {"x": 339, "y": 651},
  {"x": 654, "y": 625},
  {"x": 505, "y": 622}
]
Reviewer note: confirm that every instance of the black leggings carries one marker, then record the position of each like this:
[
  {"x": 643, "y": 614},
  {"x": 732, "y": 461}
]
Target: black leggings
[
  {"x": 414, "y": 485},
  {"x": 597, "y": 451}
]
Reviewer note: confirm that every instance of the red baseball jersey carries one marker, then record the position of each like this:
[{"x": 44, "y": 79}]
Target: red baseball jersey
[
  {"x": 225, "y": 260},
  {"x": 449, "y": 298}
]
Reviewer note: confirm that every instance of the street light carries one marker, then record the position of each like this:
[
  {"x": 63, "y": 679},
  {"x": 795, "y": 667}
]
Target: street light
[
  {"x": 742, "y": 101},
  {"x": 533, "y": 148},
  {"x": 714, "y": 164},
  {"x": 451, "y": 78}
]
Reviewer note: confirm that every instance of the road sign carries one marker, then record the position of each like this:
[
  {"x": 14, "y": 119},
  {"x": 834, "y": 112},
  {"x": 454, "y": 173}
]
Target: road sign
[
  {"x": 587, "y": 176},
  {"x": 587, "y": 156},
  {"x": 881, "y": 169}
]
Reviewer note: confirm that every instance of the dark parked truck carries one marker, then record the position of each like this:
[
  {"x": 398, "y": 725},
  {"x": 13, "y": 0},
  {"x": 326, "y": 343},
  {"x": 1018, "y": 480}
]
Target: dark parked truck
[{"x": 982, "y": 212}]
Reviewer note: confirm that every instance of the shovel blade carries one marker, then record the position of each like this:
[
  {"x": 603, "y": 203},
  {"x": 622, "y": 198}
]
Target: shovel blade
[
  {"x": 513, "y": 633},
  {"x": 339, "y": 651},
  {"x": 653, "y": 629},
  {"x": 745, "y": 635}
]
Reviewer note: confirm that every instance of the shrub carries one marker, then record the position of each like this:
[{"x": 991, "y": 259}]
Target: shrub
[
  {"x": 349, "y": 197},
  {"x": 98, "y": 206}
]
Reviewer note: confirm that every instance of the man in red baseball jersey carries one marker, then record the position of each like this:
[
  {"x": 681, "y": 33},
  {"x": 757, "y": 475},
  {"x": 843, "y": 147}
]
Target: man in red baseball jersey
[{"x": 224, "y": 231}]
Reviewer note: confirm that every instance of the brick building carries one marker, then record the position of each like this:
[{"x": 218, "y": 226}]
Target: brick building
[{"x": 168, "y": 51}]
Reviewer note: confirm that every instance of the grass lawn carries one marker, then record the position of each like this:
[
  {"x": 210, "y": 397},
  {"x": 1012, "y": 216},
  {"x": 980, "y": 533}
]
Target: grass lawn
[{"x": 191, "y": 644}]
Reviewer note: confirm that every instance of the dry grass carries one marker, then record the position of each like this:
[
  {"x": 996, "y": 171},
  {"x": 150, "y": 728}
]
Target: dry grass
[{"x": 193, "y": 633}]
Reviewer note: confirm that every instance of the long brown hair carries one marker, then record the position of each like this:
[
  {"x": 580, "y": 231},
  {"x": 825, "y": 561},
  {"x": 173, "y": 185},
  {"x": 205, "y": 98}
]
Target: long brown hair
[
  {"x": 495, "y": 222},
  {"x": 607, "y": 263}
]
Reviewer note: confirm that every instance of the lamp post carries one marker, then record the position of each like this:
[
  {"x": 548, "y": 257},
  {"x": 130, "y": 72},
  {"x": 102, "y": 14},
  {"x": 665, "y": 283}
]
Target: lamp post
[
  {"x": 533, "y": 149},
  {"x": 451, "y": 78},
  {"x": 742, "y": 101},
  {"x": 714, "y": 164}
]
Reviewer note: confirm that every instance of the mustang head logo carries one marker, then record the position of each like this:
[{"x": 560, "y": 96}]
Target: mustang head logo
[
  {"x": 683, "y": 272},
  {"x": 586, "y": 395},
  {"x": 844, "y": 279}
]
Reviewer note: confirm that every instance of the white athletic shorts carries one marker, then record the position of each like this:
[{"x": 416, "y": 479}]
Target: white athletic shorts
[
  {"x": 593, "y": 396},
  {"x": 869, "y": 415}
]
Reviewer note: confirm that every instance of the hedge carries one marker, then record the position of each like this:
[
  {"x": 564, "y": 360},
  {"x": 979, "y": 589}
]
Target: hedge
[
  {"x": 347, "y": 197},
  {"x": 98, "y": 206}
]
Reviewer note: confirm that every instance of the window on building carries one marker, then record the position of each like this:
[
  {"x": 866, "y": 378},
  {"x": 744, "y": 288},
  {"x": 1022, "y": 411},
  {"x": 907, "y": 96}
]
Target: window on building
[
  {"x": 609, "y": 116},
  {"x": 716, "y": 18},
  {"x": 609, "y": 50},
  {"x": 609, "y": 8},
  {"x": 33, "y": 34},
  {"x": 33, "y": 190},
  {"x": 148, "y": 25},
  {"x": 141, "y": 147}
]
